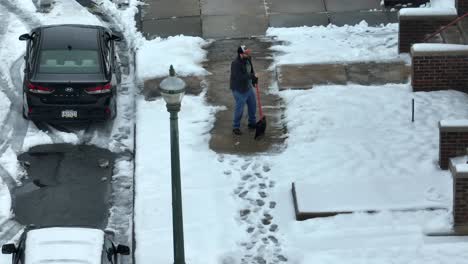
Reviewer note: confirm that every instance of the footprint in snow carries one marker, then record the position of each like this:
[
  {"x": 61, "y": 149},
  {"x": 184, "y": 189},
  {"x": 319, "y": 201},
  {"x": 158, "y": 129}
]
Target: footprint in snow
[{"x": 245, "y": 165}]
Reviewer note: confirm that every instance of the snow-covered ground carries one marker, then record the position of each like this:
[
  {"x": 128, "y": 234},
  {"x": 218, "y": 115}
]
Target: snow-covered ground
[
  {"x": 319, "y": 44},
  {"x": 354, "y": 147}
]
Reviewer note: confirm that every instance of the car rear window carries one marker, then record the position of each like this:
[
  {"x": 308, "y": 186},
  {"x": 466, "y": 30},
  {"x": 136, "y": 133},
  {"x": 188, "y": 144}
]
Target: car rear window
[{"x": 69, "y": 61}]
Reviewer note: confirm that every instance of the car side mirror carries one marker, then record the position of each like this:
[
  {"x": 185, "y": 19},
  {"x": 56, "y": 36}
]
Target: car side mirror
[
  {"x": 122, "y": 250},
  {"x": 25, "y": 37},
  {"x": 9, "y": 249}
]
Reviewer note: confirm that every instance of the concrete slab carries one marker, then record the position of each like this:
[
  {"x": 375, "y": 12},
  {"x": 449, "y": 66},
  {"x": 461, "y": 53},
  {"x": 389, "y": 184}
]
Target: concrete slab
[
  {"x": 372, "y": 18},
  {"x": 189, "y": 26},
  {"x": 452, "y": 35},
  {"x": 392, "y": 16},
  {"x": 236, "y": 26},
  {"x": 314, "y": 200},
  {"x": 220, "y": 55},
  {"x": 296, "y": 76},
  {"x": 295, "y": 6},
  {"x": 372, "y": 73},
  {"x": 230, "y": 7},
  {"x": 351, "y": 5},
  {"x": 297, "y": 20},
  {"x": 170, "y": 8},
  {"x": 307, "y": 75}
]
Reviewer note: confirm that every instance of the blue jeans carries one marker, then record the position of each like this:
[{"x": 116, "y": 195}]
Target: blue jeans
[{"x": 242, "y": 99}]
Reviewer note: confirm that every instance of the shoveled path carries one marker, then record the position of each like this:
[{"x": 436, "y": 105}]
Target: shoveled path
[{"x": 220, "y": 55}]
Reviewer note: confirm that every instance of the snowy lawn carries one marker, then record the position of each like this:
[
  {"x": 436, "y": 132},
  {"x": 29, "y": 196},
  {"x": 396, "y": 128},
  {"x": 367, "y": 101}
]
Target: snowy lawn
[
  {"x": 321, "y": 44},
  {"x": 355, "y": 148},
  {"x": 208, "y": 213}
]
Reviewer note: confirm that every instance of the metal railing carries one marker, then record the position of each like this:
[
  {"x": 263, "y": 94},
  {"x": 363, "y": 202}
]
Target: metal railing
[{"x": 445, "y": 27}]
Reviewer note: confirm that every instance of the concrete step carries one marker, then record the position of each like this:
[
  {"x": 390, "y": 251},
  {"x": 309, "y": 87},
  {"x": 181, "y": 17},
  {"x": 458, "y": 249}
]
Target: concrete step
[
  {"x": 463, "y": 26},
  {"x": 306, "y": 76},
  {"x": 452, "y": 35}
]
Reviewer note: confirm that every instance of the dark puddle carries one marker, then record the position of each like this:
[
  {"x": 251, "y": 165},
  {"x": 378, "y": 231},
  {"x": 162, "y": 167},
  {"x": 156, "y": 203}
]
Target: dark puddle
[{"x": 66, "y": 185}]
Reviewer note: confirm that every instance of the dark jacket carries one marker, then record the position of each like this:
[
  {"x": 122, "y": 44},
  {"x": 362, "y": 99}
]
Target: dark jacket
[{"x": 241, "y": 80}]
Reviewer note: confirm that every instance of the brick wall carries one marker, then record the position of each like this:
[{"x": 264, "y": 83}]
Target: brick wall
[
  {"x": 414, "y": 29},
  {"x": 462, "y": 7},
  {"x": 460, "y": 201},
  {"x": 453, "y": 142},
  {"x": 433, "y": 71},
  {"x": 460, "y": 195}
]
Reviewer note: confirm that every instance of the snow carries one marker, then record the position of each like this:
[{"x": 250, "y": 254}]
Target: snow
[
  {"x": 394, "y": 156},
  {"x": 434, "y": 8},
  {"x": 5, "y": 202},
  {"x": 11, "y": 48},
  {"x": 454, "y": 123},
  {"x": 69, "y": 12},
  {"x": 59, "y": 244},
  {"x": 9, "y": 162},
  {"x": 431, "y": 12},
  {"x": 207, "y": 214},
  {"x": 35, "y": 137},
  {"x": 185, "y": 53},
  {"x": 319, "y": 44},
  {"x": 437, "y": 47},
  {"x": 461, "y": 168},
  {"x": 4, "y": 106},
  {"x": 443, "y": 3},
  {"x": 340, "y": 199}
]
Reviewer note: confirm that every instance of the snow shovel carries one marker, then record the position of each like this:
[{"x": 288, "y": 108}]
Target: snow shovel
[{"x": 262, "y": 123}]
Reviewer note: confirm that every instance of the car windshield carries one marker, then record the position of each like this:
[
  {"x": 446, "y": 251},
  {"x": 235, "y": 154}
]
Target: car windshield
[{"x": 69, "y": 61}]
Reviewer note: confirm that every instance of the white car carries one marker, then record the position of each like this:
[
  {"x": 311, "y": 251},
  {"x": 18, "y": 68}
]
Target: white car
[{"x": 71, "y": 245}]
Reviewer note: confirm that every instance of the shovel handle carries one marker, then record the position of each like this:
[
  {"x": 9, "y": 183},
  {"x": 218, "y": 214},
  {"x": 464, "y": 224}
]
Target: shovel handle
[{"x": 258, "y": 101}]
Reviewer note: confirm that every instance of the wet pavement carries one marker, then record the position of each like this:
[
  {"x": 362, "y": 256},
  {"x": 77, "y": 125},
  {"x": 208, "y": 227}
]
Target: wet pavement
[
  {"x": 66, "y": 184},
  {"x": 220, "y": 55},
  {"x": 246, "y": 18}
]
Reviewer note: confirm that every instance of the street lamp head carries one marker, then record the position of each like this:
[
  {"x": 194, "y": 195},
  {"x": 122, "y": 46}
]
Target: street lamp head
[{"x": 172, "y": 88}]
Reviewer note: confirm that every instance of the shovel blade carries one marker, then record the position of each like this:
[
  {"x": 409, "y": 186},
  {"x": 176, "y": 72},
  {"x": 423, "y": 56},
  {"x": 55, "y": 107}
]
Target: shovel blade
[{"x": 260, "y": 127}]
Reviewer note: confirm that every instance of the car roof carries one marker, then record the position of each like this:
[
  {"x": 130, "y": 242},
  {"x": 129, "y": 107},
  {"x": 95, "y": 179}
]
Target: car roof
[
  {"x": 75, "y": 36},
  {"x": 64, "y": 244}
]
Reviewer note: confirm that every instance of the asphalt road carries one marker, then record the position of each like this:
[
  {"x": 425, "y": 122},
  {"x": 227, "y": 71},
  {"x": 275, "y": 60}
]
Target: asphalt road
[{"x": 66, "y": 185}]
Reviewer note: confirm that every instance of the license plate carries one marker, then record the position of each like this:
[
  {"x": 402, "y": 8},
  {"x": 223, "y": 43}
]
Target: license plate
[{"x": 69, "y": 114}]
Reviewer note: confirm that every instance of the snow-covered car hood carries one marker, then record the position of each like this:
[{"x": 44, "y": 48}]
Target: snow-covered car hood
[{"x": 69, "y": 245}]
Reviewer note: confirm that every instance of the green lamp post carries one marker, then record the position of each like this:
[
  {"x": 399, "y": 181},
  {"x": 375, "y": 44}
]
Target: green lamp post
[{"x": 172, "y": 90}]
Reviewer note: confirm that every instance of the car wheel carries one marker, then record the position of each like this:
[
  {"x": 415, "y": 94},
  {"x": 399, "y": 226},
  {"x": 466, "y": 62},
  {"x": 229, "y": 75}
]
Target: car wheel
[{"x": 25, "y": 106}]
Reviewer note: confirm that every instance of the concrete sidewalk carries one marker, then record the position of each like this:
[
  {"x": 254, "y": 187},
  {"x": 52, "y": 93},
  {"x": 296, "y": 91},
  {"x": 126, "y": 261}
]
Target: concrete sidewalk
[
  {"x": 245, "y": 18},
  {"x": 220, "y": 55}
]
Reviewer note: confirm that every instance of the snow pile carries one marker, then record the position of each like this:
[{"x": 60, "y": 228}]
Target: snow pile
[
  {"x": 209, "y": 226},
  {"x": 319, "y": 44},
  {"x": 35, "y": 137},
  {"x": 185, "y": 53},
  {"x": 438, "y": 47},
  {"x": 355, "y": 144},
  {"x": 5, "y": 202},
  {"x": 11, "y": 48},
  {"x": 454, "y": 123},
  {"x": 4, "y": 106},
  {"x": 9, "y": 162},
  {"x": 434, "y": 8},
  {"x": 68, "y": 12}
]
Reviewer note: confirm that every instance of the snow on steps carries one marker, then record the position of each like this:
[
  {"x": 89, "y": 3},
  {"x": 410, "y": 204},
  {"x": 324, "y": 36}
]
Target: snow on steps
[
  {"x": 332, "y": 200},
  {"x": 305, "y": 76}
]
